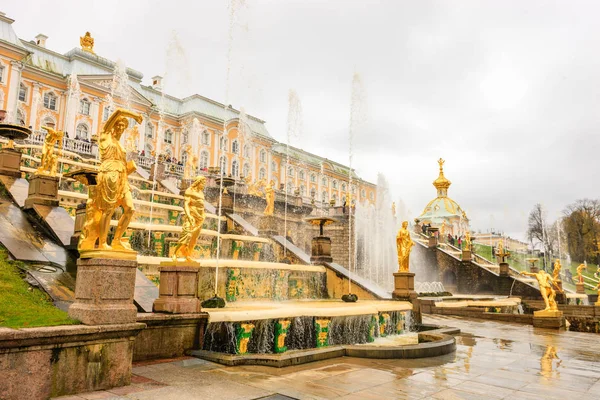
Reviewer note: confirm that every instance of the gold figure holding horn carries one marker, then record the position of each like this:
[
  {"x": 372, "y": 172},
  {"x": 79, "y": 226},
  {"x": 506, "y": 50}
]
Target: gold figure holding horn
[
  {"x": 49, "y": 162},
  {"x": 112, "y": 189},
  {"x": 193, "y": 219}
]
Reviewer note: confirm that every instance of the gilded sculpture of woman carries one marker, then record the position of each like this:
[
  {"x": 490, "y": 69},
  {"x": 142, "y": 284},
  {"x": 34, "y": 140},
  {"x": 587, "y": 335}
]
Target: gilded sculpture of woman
[
  {"x": 112, "y": 188},
  {"x": 193, "y": 219},
  {"x": 270, "y": 197},
  {"x": 49, "y": 162},
  {"x": 404, "y": 245}
]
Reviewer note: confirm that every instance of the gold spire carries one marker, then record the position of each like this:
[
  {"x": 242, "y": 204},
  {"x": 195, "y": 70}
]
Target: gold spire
[{"x": 441, "y": 183}]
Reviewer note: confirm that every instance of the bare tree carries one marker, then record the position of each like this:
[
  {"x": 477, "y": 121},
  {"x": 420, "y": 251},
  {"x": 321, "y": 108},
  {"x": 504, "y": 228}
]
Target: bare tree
[{"x": 538, "y": 230}]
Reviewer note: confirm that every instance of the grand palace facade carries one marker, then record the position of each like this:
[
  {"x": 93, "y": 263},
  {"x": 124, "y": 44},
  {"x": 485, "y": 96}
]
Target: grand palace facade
[{"x": 75, "y": 92}]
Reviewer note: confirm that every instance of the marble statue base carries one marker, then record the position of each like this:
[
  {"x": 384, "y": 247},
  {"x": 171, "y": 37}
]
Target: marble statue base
[
  {"x": 43, "y": 189},
  {"x": 553, "y": 319},
  {"x": 178, "y": 292},
  {"x": 580, "y": 288},
  {"x": 404, "y": 286},
  {"x": 10, "y": 162},
  {"x": 466, "y": 255},
  {"x": 104, "y": 291},
  {"x": 503, "y": 269},
  {"x": 320, "y": 250}
]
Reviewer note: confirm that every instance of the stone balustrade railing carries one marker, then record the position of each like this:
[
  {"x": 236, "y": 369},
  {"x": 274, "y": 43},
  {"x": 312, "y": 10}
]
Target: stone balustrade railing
[{"x": 74, "y": 145}]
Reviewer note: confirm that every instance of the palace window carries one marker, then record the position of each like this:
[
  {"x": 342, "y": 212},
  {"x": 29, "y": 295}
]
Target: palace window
[
  {"x": 335, "y": 184},
  {"x": 247, "y": 151},
  {"x": 204, "y": 160},
  {"x": 84, "y": 107},
  {"x": 334, "y": 197},
  {"x": 1, "y": 73},
  {"x": 149, "y": 127},
  {"x": 363, "y": 193},
  {"x": 184, "y": 137},
  {"x": 246, "y": 170},
  {"x": 223, "y": 165},
  {"x": 50, "y": 101},
  {"x": 273, "y": 166},
  {"x": 262, "y": 174},
  {"x": 324, "y": 181},
  {"x": 106, "y": 113},
  {"x": 81, "y": 132},
  {"x": 223, "y": 144},
  {"x": 301, "y": 175},
  {"x": 183, "y": 157},
  {"x": 372, "y": 196},
  {"x": 313, "y": 192},
  {"x": 235, "y": 147},
  {"x": 263, "y": 156},
  {"x": 343, "y": 187},
  {"x": 205, "y": 138},
  {"x": 313, "y": 178},
  {"x": 324, "y": 196},
  {"x": 290, "y": 171},
  {"x": 168, "y": 136},
  {"x": 235, "y": 168},
  {"x": 22, "y": 92},
  {"x": 302, "y": 190}
]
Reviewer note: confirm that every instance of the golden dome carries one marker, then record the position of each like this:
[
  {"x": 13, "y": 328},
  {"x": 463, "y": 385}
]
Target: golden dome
[{"x": 441, "y": 183}]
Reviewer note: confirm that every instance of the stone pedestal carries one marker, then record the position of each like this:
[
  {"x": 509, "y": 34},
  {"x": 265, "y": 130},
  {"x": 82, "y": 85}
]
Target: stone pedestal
[
  {"x": 268, "y": 225},
  {"x": 433, "y": 242},
  {"x": 79, "y": 221},
  {"x": 178, "y": 293},
  {"x": 466, "y": 255},
  {"x": 226, "y": 203},
  {"x": 404, "y": 286},
  {"x": 320, "y": 250},
  {"x": 104, "y": 291},
  {"x": 43, "y": 189},
  {"x": 580, "y": 288},
  {"x": 10, "y": 162},
  {"x": 534, "y": 269},
  {"x": 504, "y": 269},
  {"x": 553, "y": 319}
]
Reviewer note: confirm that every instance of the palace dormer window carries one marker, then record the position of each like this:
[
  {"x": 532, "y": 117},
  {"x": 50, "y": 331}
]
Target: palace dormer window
[
  {"x": 22, "y": 92},
  {"x": 50, "y": 101},
  {"x": 84, "y": 107}
]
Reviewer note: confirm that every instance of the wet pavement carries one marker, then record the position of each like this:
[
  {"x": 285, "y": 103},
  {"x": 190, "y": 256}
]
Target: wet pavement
[{"x": 493, "y": 361}]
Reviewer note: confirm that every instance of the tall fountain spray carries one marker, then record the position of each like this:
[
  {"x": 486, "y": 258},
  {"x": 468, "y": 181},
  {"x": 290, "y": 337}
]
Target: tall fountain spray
[
  {"x": 358, "y": 118},
  {"x": 294, "y": 128}
]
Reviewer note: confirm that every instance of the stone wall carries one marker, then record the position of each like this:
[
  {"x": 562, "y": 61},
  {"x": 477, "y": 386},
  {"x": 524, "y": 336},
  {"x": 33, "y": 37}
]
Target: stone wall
[
  {"x": 168, "y": 335},
  {"x": 38, "y": 363},
  {"x": 582, "y": 318}
]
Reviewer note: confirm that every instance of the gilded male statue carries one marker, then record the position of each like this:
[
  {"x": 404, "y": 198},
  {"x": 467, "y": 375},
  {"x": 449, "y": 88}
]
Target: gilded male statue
[
  {"x": 193, "y": 219},
  {"x": 556, "y": 271},
  {"x": 404, "y": 246},
  {"x": 545, "y": 282},
  {"x": 270, "y": 197},
  {"x": 467, "y": 241},
  {"x": 112, "y": 189},
  {"x": 49, "y": 162}
]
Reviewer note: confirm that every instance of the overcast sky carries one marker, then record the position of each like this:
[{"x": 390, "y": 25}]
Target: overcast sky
[{"x": 507, "y": 92}]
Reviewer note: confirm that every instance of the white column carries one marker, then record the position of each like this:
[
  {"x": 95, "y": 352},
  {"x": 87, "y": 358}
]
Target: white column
[
  {"x": 216, "y": 147},
  {"x": 94, "y": 112},
  {"x": 13, "y": 89},
  {"x": 36, "y": 98}
]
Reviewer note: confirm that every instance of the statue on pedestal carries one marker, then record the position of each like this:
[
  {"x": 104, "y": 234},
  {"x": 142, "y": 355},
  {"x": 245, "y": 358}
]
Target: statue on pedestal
[
  {"x": 556, "y": 271},
  {"x": 87, "y": 43},
  {"x": 49, "y": 162},
  {"x": 545, "y": 282},
  {"x": 404, "y": 246},
  {"x": 580, "y": 269},
  {"x": 270, "y": 197},
  {"x": 467, "y": 241},
  {"x": 192, "y": 221},
  {"x": 112, "y": 189}
]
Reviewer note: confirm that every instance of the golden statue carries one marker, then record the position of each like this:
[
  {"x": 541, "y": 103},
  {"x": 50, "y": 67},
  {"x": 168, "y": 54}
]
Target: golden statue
[
  {"x": 467, "y": 241},
  {"x": 556, "y": 271},
  {"x": 257, "y": 187},
  {"x": 87, "y": 43},
  {"x": 132, "y": 138},
  {"x": 112, "y": 189},
  {"x": 580, "y": 269},
  {"x": 49, "y": 162},
  {"x": 270, "y": 196},
  {"x": 394, "y": 209},
  {"x": 545, "y": 282},
  {"x": 192, "y": 221},
  {"x": 404, "y": 245},
  {"x": 189, "y": 171}
]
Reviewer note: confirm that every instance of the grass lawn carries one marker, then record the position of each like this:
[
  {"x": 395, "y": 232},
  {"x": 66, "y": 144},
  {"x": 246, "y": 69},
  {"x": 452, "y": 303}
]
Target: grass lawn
[{"x": 22, "y": 306}]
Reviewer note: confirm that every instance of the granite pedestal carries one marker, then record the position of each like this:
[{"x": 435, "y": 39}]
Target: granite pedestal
[
  {"x": 43, "y": 190},
  {"x": 580, "y": 288},
  {"x": 404, "y": 286},
  {"x": 466, "y": 255},
  {"x": 552, "y": 319},
  {"x": 104, "y": 291},
  {"x": 178, "y": 293},
  {"x": 504, "y": 269},
  {"x": 10, "y": 162},
  {"x": 321, "y": 250}
]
